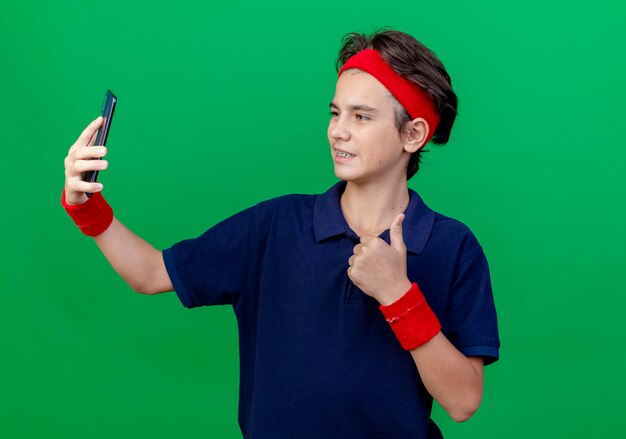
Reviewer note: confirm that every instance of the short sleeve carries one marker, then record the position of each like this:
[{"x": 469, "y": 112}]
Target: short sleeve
[
  {"x": 213, "y": 268},
  {"x": 470, "y": 322}
]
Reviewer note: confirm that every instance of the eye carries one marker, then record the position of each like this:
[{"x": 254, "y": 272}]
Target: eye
[
  {"x": 333, "y": 113},
  {"x": 362, "y": 117}
]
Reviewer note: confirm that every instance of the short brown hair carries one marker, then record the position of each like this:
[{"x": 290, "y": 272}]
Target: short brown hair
[{"x": 415, "y": 62}]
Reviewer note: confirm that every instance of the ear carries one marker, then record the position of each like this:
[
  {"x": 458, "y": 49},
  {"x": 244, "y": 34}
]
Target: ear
[{"x": 415, "y": 134}]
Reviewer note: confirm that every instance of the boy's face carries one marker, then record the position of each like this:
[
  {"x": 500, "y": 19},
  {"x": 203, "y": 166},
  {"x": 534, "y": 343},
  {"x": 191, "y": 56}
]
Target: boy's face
[{"x": 363, "y": 123}]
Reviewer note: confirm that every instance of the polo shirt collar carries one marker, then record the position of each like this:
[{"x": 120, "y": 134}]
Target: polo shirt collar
[{"x": 328, "y": 219}]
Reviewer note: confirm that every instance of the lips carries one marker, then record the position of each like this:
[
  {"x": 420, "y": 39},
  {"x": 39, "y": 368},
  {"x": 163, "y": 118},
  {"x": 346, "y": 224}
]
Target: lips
[
  {"x": 339, "y": 159},
  {"x": 343, "y": 150}
]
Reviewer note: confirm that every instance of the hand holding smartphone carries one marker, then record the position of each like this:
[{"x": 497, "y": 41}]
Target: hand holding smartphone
[{"x": 108, "y": 107}]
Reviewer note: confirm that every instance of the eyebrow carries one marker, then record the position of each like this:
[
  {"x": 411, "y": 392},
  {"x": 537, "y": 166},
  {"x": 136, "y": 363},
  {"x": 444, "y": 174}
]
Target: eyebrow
[{"x": 356, "y": 107}]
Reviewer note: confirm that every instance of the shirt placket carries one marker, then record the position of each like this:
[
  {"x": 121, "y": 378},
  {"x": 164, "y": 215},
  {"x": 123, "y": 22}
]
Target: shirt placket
[{"x": 352, "y": 295}]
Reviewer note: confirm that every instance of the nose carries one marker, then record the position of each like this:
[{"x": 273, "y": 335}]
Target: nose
[{"x": 337, "y": 129}]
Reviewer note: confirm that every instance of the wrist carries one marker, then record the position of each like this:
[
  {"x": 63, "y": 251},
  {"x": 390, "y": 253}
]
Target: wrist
[
  {"x": 395, "y": 292},
  {"x": 75, "y": 200},
  {"x": 92, "y": 217},
  {"x": 411, "y": 319}
]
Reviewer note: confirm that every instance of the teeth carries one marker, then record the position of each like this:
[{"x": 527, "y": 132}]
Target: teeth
[{"x": 344, "y": 154}]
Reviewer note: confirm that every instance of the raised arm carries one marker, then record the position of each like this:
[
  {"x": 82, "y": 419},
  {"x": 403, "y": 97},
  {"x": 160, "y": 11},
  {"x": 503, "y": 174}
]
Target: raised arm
[
  {"x": 379, "y": 269},
  {"x": 135, "y": 260}
]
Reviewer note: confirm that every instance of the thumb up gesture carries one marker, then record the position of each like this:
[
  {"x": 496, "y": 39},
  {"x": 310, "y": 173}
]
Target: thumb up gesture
[{"x": 379, "y": 269}]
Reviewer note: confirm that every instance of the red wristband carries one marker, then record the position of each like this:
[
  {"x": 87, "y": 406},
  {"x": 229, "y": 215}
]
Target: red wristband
[
  {"x": 92, "y": 217},
  {"x": 411, "y": 319}
]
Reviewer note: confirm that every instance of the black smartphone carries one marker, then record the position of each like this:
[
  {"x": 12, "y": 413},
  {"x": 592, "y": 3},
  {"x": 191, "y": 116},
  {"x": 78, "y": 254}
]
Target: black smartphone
[{"x": 108, "y": 107}]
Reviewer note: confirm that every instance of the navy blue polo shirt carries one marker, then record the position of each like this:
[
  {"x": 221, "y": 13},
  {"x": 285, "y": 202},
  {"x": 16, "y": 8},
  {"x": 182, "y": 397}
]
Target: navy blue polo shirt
[{"x": 318, "y": 359}]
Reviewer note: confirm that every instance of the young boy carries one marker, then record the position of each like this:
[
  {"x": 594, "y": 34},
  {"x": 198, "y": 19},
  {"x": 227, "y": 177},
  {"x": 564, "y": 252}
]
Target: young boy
[{"x": 355, "y": 307}]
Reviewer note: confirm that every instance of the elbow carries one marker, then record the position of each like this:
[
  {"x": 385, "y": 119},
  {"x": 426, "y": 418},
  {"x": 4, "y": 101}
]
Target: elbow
[
  {"x": 141, "y": 288},
  {"x": 466, "y": 409},
  {"x": 462, "y": 415},
  {"x": 153, "y": 279},
  {"x": 151, "y": 287}
]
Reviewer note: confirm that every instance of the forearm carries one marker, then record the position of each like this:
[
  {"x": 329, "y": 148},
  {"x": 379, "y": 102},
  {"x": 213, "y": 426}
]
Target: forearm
[
  {"x": 453, "y": 379},
  {"x": 134, "y": 259}
]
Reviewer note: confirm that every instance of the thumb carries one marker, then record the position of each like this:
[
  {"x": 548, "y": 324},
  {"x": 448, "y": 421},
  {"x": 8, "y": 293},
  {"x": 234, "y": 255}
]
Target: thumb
[{"x": 395, "y": 234}]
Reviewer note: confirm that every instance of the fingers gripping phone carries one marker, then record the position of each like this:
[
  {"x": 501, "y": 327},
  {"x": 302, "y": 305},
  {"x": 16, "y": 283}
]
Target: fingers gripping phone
[{"x": 108, "y": 107}]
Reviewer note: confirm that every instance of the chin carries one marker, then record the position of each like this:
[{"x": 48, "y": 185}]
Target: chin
[
  {"x": 362, "y": 177},
  {"x": 354, "y": 177},
  {"x": 343, "y": 175}
]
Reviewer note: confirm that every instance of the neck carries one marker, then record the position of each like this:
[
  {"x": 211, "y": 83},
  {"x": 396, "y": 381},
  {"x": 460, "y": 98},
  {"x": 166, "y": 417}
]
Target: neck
[{"x": 370, "y": 208}]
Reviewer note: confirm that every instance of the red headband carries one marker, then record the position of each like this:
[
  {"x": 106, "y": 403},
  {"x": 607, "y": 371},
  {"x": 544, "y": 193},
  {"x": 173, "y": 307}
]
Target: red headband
[{"x": 414, "y": 100}]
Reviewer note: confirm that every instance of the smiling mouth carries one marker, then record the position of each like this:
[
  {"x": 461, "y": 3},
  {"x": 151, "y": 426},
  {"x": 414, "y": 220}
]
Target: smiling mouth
[{"x": 344, "y": 154}]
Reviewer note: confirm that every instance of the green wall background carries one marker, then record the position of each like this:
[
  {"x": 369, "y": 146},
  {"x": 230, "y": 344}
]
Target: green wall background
[{"x": 221, "y": 106}]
